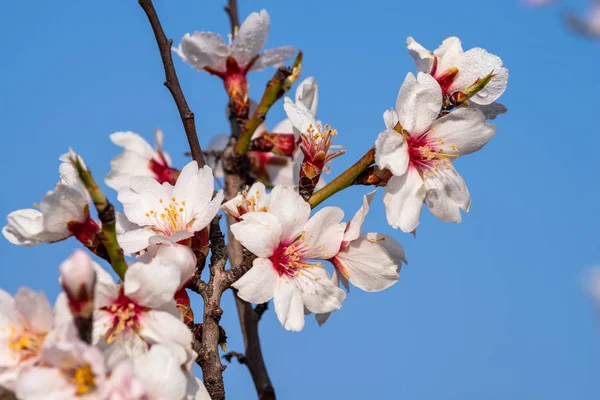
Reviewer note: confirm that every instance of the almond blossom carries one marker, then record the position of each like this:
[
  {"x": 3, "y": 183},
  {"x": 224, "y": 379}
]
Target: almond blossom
[
  {"x": 62, "y": 213},
  {"x": 25, "y": 321},
  {"x": 455, "y": 70},
  {"x": 70, "y": 370},
  {"x": 140, "y": 312},
  {"x": 285, "y": 240},
  {"x": 208, "y": 51},
  {"x": 139, "y": 159},
  {"x": 419, "y": 150},
  {"x": 78, "y": 279},
  {"x": 166, "y": 213}
]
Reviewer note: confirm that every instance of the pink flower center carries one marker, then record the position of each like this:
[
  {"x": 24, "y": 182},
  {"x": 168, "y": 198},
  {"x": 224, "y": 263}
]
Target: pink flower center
[
  {"x": 426, "y": 154},
  {"x": 290, "y": 258},
  {"x": 85, "y": 231},
  {"x": 125, "y": 316},
  {"x": 171, "y": 218},
  {"x": 162, "y": 171},
  {"x": 445, "y": 78}
]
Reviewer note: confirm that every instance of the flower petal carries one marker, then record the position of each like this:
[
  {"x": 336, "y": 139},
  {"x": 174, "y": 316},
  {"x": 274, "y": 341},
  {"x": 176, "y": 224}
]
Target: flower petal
[
  {"x": 368, "y": 265},
  {"x": 447, "y": 194},
  {"x": 391, "y": 152},
  {"x": 203, "y": 49},
  {"x": 324, "y": 233},
  {"x": 63, "y": 205},
  {"x": 475, "y": 64},
  {"x": 151, "y": 285},
  {"x": 251, "y": 37},
  {"x": 391, "y": 245},
  {"x": 307, "y": 92},
  {"x": 259, "y": 232},
  {"x": 319, "y": 294},
  {"x": 134, "y": 241},
  {"x": 403, "y": 199},
  {"x": 142, "y": 196},
  {"x": 161, "y": 374},
  {"x": 390, "y": 118},
  {"x": 24, "y": 227},
  {"x": 133, "y": 142},
  {"x": 274, "y": 57},
  {"x": 419, "y": 103},
  {"x": 448, "y": 54},
  {"x": 423, "y": 58},
  {"x": 355, "y": 225},
  {"x": 290, "y": 209},
  {"x": 258, "y": 285},
  {"x": 463, "y": 131},
  {"x": 301, "y": 117},
  {"x": 288, "y": 305},
  {"x": 36, "y": 310}
]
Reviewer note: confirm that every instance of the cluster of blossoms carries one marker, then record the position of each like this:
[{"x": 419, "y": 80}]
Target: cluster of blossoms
[{"x": 133, "y": 338}]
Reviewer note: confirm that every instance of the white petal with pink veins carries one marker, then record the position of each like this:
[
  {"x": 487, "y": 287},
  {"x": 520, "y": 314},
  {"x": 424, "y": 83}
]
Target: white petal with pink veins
[
  {"x": 258, "y": 285},
  {"x": 403, "y": 199},
  {"x": 419, "y": 103}
]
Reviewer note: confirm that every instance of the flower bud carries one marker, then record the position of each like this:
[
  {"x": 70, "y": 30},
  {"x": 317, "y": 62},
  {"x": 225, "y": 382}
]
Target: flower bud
[{"x": 78, "y": 279}]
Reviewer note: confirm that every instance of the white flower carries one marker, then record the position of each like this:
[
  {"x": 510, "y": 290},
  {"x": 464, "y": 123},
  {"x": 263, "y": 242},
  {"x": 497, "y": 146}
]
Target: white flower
[
  {"x": 455, "y": 70},
  {"x": 139, "y": 159},
  {"x": 363, "y": 259},
  {"x": 285, "y": 240},
  {"x": 63, "y": 212},
  {"x": 167, "y": 213},
  {"x": 420, "y": 158},
  {"x": 253, "y": 199},
  {"x": 70, "y": 370},
  {"x": 25, "y": 320},
  {"x": 140, "y": 312},
  {"x": 164, "y": 379},
  {"x": 208, "y": 51}
]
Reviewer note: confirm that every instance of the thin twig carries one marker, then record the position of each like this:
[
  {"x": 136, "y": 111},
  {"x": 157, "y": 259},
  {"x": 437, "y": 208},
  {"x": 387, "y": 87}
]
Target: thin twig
[
  {"x": 281, "y": 82},
  {"x": 172, "y": 83},
  {"x": 106, "y": 215},
  {"x": 260, "y": 309},
  {"x": 239, "y": 356},
  {"x": 234, "y": 19}
]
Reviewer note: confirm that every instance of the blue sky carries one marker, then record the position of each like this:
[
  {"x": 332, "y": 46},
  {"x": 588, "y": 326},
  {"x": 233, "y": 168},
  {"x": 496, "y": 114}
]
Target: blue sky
[{"x": 493, "y": 308}]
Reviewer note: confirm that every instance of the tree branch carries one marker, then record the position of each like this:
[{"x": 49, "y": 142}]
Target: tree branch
[
  {"x": 343, "y": 180},
  {"x": 234, "y": 19},
  {"x": 236, "y": 169},
  {"x": 172, "y": 82}
]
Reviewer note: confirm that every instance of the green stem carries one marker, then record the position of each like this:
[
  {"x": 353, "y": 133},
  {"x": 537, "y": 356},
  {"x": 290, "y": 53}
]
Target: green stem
[
  {"x": 343, "y": 180},
  {"x": 106, "y": 214},
  {"x": 281, "y": 82}
]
